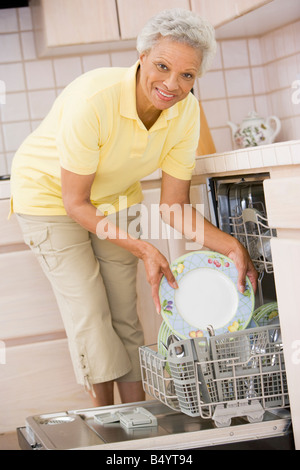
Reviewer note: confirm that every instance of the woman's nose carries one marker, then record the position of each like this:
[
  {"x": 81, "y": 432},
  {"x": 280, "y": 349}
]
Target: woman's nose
[{"x": 171, "y": 82}]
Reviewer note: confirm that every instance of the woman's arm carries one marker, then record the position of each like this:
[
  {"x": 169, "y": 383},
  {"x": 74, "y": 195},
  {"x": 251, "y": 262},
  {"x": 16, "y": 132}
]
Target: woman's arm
[
  {"x": 76, "y": 190},
  {"x": 186, "y": 219}
]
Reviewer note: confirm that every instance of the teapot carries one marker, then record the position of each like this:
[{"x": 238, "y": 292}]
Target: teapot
[{"x": 255, "y": 130}]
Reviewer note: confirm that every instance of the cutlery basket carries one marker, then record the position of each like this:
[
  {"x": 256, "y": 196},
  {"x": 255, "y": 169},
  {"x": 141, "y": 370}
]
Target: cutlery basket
[{"x": 230, "y": 375}]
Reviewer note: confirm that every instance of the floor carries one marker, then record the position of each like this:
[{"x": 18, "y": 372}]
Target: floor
[{"x": 9, "y": 441}]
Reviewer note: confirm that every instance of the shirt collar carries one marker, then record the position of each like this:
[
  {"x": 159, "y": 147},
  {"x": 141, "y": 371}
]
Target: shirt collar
[{"x": 128, "y": 101}]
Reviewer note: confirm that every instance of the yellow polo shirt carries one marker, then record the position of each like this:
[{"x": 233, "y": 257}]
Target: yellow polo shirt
[{"x": 93, "y": 127}]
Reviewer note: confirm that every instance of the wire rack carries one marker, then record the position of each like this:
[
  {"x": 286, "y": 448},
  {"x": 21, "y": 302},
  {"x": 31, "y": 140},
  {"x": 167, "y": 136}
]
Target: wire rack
[
  {"x": 235, "y": 374},
  {"x": 251, "y": 228}
]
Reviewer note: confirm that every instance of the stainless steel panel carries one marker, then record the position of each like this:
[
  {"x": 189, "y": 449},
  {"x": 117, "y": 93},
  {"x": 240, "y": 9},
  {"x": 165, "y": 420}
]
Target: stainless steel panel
[{"x": 55, "y": 431}]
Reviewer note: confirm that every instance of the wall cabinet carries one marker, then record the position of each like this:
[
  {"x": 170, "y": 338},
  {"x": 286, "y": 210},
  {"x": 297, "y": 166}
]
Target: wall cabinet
[
  {"x": 82, "y": 26},
  {"x": 133, "y": 14},
  {"x": 219, "y": 12},
  {"x": 73, "y": 26}
]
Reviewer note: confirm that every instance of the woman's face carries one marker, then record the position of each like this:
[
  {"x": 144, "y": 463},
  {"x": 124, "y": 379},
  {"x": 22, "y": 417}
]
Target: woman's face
[{"x": 167, "y": 74}]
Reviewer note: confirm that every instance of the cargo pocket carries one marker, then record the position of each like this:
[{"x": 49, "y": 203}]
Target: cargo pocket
[{"x": 39, "y": 242}]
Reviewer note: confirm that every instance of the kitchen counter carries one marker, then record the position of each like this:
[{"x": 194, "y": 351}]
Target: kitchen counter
[{"x": 249, "y": 160}]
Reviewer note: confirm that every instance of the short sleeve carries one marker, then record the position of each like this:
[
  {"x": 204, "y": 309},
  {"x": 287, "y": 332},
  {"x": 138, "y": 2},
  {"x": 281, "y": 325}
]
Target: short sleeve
[
  {"x": 180, "y": 161},
  {"x": 78, "y": 136}
]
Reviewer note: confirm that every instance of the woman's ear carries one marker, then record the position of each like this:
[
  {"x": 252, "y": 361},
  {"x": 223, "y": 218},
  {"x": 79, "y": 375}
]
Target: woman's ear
[{"x": 142, "y": 58}]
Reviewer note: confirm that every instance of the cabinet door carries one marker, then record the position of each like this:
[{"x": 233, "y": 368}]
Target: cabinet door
[
  {"x": 283, "y": 202},
  {"x": 133, "y": 14},
  {"x": 286, "y": 260},
  {"x": 38, "y": 378},
  {"x": 10, "y": 232},
  {"x": 27, "y": 304},
  {"x": 219, "y": 12},
  {"x": 70, "y": 22}
]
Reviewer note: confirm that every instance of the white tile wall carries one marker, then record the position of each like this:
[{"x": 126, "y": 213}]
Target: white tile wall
[
  {"x": 258, "y": 73},
  {"x": 90, "y": 62},
  {"x": 8, "y": 21},
  {"x": 255, "y": 52},
  {"x": 235, "y": 53},
  {"x": 28, "y": 45},
  {"x": 212, "y": 85},
  {"x": 14, "y": 134},
  {"x": 15, "y": 108},
  {"x": 39, "y": 74},
  {"x": 259, "y": 80},
  {"x": 40, "y": 103},
  {"x": 218, "y": 61},
  {"x": 239, "y": 108},
  {"x": 247, "y": 73},
  {"x": 25, "y": 19},
  {"x": 10, "y": 50},
  {"x": 13, "y": 76},
  {"x": 216, "y": 112},
  {"x": 238, "y": 82},
  {"x": 66, "y": 70}
]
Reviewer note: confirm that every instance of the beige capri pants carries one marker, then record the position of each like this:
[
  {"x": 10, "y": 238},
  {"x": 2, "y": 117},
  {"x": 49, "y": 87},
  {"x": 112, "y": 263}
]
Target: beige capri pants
[{"x": 94, "y": 282}]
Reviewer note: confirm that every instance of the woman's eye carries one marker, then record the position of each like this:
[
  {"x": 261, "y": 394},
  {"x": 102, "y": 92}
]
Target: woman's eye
[
  {"x": 188, "y": 76},
  {"x": 162, "y": 67}
]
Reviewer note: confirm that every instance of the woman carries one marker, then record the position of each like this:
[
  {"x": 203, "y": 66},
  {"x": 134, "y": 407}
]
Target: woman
[{"x": 107, "y": 130}]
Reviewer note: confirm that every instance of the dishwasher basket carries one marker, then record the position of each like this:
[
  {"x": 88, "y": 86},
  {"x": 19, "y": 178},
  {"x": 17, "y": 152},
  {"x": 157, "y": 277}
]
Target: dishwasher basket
[{"x": 225, "y": 376}]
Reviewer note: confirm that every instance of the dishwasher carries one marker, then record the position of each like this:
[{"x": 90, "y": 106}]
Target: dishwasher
[{"x": 224, "y": 391}]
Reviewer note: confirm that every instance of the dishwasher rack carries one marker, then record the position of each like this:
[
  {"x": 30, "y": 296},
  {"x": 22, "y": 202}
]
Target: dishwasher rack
[
  {"x": 251, "y": 228},
  {"x": 226, "y": 376}
]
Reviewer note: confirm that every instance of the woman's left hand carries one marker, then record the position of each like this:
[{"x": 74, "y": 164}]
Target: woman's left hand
[{"x": 244, "y": 266}]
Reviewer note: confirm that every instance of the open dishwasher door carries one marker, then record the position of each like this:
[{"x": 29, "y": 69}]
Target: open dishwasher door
[{"x": 91, "y": 429}]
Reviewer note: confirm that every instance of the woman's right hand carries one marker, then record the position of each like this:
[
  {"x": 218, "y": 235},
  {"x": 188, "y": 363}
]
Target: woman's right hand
[{"x": 157, "y": 266}]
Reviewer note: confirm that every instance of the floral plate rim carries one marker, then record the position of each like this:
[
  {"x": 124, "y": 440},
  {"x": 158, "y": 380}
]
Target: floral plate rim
[{"x": 216, "y": 261}]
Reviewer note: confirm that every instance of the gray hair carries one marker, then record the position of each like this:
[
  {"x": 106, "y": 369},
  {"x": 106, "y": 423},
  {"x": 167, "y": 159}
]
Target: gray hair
[{"x": 182, "y": 26}]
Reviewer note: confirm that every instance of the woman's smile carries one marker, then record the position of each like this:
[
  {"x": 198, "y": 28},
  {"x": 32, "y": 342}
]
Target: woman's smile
[{"x": 164, "y": 95}]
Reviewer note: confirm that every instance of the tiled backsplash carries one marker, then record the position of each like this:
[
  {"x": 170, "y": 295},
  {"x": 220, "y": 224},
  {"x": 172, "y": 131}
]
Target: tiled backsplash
[
  {"x": 248, "y": 73},
  {"x": 254, "y": 158},
  {"x": 254, "y": 74}
]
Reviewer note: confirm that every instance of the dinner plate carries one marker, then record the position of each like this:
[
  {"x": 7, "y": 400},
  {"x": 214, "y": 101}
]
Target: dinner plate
[
  {"x": 207, "y": 295},
  {"x": 162, "y": 338}
]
